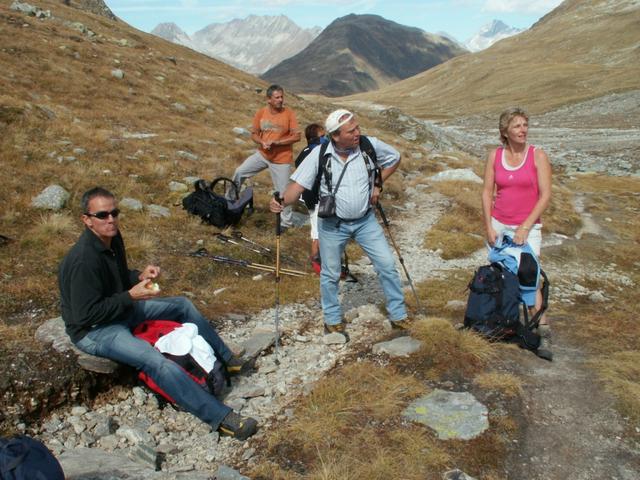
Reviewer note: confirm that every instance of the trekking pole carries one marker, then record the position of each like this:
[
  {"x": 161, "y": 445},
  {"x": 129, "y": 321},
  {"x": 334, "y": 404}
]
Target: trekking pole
[
  {"x": 348, "y": 276},
  {"x": 276, "y": 195},
  {"x": 262, "y": 249},
  {"x": 202, "y": 252},
  {"x": 393, "y": 242},
  {"x": 224, "y": 239}
]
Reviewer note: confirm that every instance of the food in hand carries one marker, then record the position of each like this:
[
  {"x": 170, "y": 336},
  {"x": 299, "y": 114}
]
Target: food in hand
[{"x": 153, "y": 286}]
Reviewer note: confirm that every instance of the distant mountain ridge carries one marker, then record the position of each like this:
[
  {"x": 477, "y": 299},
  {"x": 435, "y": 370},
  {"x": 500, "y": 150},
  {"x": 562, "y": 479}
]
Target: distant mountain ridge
[
  {"x": 489, "y": 34},
  {"x": 253, "y": 44},
  {"x": 358, "y": 53},
  {"x": 570, "y": 55}
]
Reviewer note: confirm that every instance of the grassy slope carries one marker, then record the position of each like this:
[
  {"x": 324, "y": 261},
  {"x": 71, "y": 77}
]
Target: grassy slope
[{"x": 568, "y": 56}]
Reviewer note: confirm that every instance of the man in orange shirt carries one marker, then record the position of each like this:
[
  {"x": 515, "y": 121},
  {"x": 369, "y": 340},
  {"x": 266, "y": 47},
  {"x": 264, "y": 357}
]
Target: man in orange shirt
[{"x": 275, "y": 130}]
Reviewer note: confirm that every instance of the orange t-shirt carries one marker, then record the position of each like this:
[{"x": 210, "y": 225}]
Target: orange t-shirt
[{"x": 273, "y": 127}]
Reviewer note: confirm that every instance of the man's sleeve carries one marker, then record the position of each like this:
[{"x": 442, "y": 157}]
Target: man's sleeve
[
  {"x": 256, "y": 122},
  {"x": 305, "y": 174},
  {"x": 134, "y": 277},
  {"x": 88, "y": 303},
  {"x": 386, "y": 155}
]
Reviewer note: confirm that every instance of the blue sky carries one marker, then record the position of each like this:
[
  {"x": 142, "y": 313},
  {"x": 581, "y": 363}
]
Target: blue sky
[{"x": 460, "y": 18}]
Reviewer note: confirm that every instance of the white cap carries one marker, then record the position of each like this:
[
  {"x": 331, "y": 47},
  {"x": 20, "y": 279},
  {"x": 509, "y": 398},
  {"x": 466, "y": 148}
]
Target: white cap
[{"x": 337, "y": 119}]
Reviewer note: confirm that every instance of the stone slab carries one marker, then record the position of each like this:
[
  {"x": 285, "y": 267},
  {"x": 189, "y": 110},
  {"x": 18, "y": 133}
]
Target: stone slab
[
  {"x": 453, "y": 415},
  {"x": 52, "y": 332}
]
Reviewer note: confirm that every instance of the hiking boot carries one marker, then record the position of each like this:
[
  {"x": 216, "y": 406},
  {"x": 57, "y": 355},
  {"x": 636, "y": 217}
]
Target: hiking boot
[
  {"x": 404, "y": 324},
  {"x": 237, "y": 426},
  {"x": 337, "y": 328},
  {"x": 238, "y": 365},
  {"x": 544, "y": 349}
]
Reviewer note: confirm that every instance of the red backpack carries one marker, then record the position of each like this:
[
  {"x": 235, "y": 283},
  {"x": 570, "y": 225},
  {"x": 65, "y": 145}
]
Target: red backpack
[{"x": 213, "y": 381}]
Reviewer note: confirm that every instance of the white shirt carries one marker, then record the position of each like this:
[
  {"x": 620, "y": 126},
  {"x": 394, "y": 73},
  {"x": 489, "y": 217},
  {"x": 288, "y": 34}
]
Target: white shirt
[{"x": 354, "y": 192}]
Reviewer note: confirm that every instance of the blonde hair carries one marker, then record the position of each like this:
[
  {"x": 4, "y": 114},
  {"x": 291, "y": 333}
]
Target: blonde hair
[{"x": 505, "y": 119}]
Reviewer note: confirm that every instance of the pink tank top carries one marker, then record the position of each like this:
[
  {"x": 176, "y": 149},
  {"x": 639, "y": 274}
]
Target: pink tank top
[{"x": 516, "y": 188}]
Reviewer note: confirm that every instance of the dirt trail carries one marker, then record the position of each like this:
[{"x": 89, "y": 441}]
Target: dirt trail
[{"x": 572, "y": 430}]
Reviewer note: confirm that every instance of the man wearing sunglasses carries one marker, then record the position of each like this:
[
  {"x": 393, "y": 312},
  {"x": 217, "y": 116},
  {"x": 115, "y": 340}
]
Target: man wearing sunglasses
[{"x": 102, "y": 301}]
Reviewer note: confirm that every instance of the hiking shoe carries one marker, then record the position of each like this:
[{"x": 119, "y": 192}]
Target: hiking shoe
[
  {"x": 544, "y": 349},
  {"x": 238, "y": 365},
  {"x": 315, "y": 264},
  {"x": 404, "y": 324},
  {"x": 337, "y": 328},
  {"x": 237, "y": 426}
]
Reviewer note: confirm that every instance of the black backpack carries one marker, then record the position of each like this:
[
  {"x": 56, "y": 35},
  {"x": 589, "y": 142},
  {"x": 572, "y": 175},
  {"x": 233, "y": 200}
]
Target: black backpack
[
  {"x": 310, "y": 197},
  {"x": 214, "y": 207},
  {"x": 493, "y": 307},
  {"x": 24, "y": 458}
]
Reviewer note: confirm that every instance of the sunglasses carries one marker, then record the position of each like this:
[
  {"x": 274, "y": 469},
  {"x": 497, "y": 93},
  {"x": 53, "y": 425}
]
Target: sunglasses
[{"x": 103, "y": 215}]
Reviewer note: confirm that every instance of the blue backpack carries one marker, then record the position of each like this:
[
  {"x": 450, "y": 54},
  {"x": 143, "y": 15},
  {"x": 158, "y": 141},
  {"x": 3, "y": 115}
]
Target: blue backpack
[{"x": 23, "y": 458}]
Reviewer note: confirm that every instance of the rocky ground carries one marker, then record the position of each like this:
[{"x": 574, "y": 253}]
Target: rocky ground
[
  {"x": 567, "y": 435},
  {"x": 600, "y": 135}
]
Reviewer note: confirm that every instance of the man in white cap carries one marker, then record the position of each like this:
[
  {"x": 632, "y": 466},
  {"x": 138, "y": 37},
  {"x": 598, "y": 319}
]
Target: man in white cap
[
  {"x": 275, "y": 130},
  {"x": 356, "y": 188}
]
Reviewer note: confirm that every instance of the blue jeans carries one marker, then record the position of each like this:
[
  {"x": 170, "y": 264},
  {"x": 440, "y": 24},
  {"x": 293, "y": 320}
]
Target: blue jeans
[
  {"x": 115, "y": 341},
  {"x": 367, "y": 232}
]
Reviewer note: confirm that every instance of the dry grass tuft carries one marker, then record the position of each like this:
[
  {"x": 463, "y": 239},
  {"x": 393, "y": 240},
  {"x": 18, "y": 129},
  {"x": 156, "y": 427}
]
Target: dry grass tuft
[
  {"x": 54, "y": 224},
  {"x": 459, "y": 231},
  {"x": 339, "y": 401},
  {"x": 349, "y": 428},
  {"x": 139, "y": 247},
  {"x": 506, "y": 383},
  {"x": 561, "y": 216},
  {"x": 620, "y": 372},
  {"x": 447, "y": 350}
]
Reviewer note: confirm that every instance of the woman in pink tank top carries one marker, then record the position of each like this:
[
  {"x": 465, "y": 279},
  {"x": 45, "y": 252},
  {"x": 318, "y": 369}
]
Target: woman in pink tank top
[{"x": 517, "y": 190}]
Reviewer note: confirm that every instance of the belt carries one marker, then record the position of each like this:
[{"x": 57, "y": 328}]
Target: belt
[{"x": 340, "y": 219}]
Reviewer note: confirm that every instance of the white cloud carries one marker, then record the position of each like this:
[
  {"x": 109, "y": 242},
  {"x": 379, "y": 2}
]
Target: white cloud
[{"x": 523, "y": 6}]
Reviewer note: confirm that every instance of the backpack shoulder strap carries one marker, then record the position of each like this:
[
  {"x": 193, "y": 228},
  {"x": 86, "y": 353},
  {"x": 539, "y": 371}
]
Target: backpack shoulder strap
[
  {"x": 369, "y": 152},
  {"x": 367, "y": 147},
  {"x": 323, "y": 159}
]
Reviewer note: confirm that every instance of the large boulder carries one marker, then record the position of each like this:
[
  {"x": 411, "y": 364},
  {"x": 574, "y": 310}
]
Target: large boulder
[{"x": 54, "y": 197}]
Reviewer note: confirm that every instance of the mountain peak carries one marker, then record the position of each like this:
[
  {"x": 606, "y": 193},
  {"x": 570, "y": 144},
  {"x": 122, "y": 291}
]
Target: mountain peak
[
  {"x": 253, "y": 44},
  {"x": 357, "y": 53},
  {"x": 172, "y": 32},
  {"x": 489, "y": 34}
]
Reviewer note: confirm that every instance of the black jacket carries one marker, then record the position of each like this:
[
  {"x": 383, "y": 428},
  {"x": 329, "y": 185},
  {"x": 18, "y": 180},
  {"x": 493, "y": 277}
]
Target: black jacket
[{"x": 94, "y": 281}]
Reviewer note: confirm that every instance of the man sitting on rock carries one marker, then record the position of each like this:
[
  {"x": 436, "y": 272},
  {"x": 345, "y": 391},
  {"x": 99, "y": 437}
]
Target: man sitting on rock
[{"x": 102, "y": 301}]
